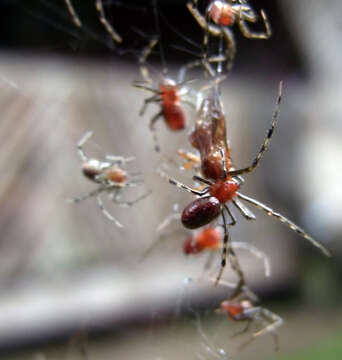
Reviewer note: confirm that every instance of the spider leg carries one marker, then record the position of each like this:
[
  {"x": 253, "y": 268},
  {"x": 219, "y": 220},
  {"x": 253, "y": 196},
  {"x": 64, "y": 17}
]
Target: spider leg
[
  {"x": 119, "y": 159},
  {"x": 106, "y": 213},
  {"x": 232, "y": 217},
  {"x": 256, "y": 252},
  {"x": 181, "y": 185},
  {"x": 141, "y": 85},
  {"x": 228, "y": 250},
  {"x": 151, "y": 125},
  {"x": 147, "y": 50},
  {"x": 245, "y": 11},
  {"x": 283, "y": 219},
  {"x": 133, "y": 183},
  {"x": 115, "y": 199},
  {"x": 243, "y": 330},
  {"x": 73, "y": 13},
  {"x": 251, "y": 34},
  {"x": 154, "y": 98},
  {"x": 168, "y": 220},
  {"x": 200, "y": 179},
  {"x": 80, "y": 145},
  {"x": 231, "y": 47},
  {"x": 267, "y": 140},
  {"x": 245, "y": 212},
  {"x": 274, "y": 321},
  {"x": 89, "y": 195},
  {"x": 202, "y": 22},
  {"x": 99, "y": 7}
]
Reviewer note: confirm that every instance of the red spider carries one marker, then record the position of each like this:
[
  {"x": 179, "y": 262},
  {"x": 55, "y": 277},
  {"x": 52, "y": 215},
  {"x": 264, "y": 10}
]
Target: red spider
[
  {"x": 223, "y": 182},
  {"x": 170, "y": 94}
]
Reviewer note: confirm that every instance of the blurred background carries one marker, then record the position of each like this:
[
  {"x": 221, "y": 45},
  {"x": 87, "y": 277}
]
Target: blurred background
[{"x": 74, "y": 286}]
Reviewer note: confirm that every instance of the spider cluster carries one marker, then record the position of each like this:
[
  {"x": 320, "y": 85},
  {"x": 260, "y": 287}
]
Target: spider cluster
[{"x": 217, "y": 183}]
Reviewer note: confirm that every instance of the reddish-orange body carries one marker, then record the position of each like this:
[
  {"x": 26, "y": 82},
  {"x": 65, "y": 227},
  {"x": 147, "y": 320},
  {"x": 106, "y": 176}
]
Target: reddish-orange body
[
  {"x": 116, "y": 175},
  {"x": 222, "y": 13},
  {"x": 236, "y": 309},
  {"x": 209, "y": 238},
  {"x": 171, "y": 104},
  {"x": 224, "y": 190}
]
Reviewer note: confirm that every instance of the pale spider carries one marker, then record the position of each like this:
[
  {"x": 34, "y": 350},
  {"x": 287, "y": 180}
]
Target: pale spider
[{"x": 110, "y": 177}]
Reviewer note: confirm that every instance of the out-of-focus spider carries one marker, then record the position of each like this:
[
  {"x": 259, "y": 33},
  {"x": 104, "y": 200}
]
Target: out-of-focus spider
[
  {"x": 111, "y": 179},
  {"x": 170, "y": 94},
  {"x": 224, "y": 14},
  {"x": 210, "y": 239},
  {"x": 102, "y": 17},
  {"x": 242, "y": 308}
]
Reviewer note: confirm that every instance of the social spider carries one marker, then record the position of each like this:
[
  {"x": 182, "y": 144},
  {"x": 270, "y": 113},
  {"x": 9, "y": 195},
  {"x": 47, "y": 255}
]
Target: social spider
[
  {"x": 242, "y": 308},
  {"x": 170, "y": 94},
  {"x": 221, "y": 180},
  {"x": 111, "y": 179},
  {"x": 225, "y": 14}
]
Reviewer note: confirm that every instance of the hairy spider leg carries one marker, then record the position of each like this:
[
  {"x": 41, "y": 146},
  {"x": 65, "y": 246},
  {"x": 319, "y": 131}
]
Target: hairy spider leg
[{"x": 283, "y": 219}]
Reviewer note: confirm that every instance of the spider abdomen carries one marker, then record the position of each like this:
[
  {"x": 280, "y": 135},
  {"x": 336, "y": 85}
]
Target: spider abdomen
[
  {"x": 201, "y": 212},
  {"x": 174, "y": 116}
]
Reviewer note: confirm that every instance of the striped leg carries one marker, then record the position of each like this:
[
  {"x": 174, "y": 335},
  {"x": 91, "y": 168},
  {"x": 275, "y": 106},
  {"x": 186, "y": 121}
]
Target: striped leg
[
  {"x": 283, "y": 219},
  {"x": 228, "y": 250},
  {"x": 267, "y": 140},
  {"x": 181, "y": 185},
  {"x": 246, "y": 213}
]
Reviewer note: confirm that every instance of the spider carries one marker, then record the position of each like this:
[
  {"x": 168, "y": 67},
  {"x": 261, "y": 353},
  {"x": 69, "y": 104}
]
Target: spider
[
  {"x": 102, "y": 17},
  {"x": 221, "y": 180},
  {"x": 241, "y": 308},
  {"x": 110, "y": 177},
  {"x": 210, "y": 239},
  {"x": 170, "y": 94},
  {"x": 224, "y": 14}
]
